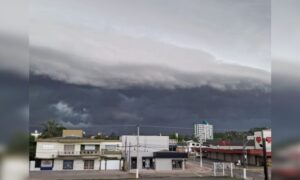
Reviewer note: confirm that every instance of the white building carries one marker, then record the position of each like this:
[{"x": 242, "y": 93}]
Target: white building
[
  {"x": 204, "y": 131},
  {"x": 153, "y": 153},
  {"x": 267, "y": 135},
  {"x": 78, "y": 153},
  {"x": 190, "y": 145},
  {"x": 235, "y": 150}
]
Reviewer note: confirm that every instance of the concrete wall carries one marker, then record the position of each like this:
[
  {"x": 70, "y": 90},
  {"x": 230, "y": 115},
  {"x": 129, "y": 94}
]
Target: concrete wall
[
  {"x": 48, "y": 149},
  {"x": 213, "y": 155},
  {"x": 220, "y": 156},
  {"x": 58, "y": 165},
  {"x": 236, "y": 157},
  {"x": 252, "y": 160},
  {"x": 148, "y": 144},
  {"x": 228, "y": 157},
  {"x": 32, "y": 166},
  {"x": 78, "y": 164},
  {"x": 163, "y": 164}
]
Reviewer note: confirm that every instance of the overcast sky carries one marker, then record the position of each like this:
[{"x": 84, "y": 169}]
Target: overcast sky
[
  {"x": 151, "y": 62},
  {"x": 160, "y": 43}
]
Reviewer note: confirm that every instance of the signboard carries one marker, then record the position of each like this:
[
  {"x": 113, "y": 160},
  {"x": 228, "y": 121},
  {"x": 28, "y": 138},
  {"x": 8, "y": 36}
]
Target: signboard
[
  {"x": 258, "y": 139},
  {"x": 46, "y": 164}
]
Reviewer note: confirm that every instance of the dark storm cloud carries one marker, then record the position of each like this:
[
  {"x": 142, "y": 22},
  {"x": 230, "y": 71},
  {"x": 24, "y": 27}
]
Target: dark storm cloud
[
  {"x": 77, "y": 70},
  {"x": 235, "y": 109},
  {"x": 175, "y": 64}
]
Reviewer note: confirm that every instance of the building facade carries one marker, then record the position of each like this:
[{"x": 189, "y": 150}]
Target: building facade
[
  {"x": 203, "y": 131},
  {"x": 235, "y": 151},
  {"x": 78, "y": 153},
  {"x": 153, "y": 153}
]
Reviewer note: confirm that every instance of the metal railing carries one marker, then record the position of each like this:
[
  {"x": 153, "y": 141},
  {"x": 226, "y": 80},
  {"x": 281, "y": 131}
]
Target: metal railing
[
  {"x": 78, "y": 153},
  {"x": 111, "y": 152}
]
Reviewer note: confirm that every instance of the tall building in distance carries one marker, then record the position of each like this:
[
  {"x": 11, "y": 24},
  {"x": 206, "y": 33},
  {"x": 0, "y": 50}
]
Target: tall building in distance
[{"x": 204, "y": 131}]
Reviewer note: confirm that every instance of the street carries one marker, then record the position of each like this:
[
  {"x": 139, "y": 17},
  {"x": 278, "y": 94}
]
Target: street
[{"x": 192, "y": 171}]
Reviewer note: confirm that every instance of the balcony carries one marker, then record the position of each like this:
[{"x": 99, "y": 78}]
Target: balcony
[
  {"x": 111, "y": 152},
  {"x": 90, "y": 152},
  {"x": 79, "y": 153}
]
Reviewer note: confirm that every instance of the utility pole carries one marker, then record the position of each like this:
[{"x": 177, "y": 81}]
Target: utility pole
[
  {"x": 125, "y": 154},
  {"x": 265, "y": 156},
  {"x": 200, "y": 142},
  {"x": 137, "y": 152},
  {"x": 129, "y": 165},
  {"x": 245, "y": 141}
]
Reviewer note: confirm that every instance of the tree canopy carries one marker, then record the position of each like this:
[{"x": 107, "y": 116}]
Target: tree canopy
[{"x": 52, "y": 129}]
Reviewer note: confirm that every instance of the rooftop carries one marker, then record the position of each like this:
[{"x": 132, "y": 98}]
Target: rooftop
[{"x": 74, "y": 139}]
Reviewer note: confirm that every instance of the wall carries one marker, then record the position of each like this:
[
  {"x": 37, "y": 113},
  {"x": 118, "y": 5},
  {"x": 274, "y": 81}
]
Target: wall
[
  {"x": 163, "y": 164},
  {"x": 148, "y": 144},
  {"x": 96, "y": 165},
  {"x": 48, "y": 149},
  {"x": 78, "y": 165},
  {"x": 32, "y": 166},
  {"x": 251, "y": 160},
  {"x": 220, "y": 156},
  {"x": 58, "y": 165},
  {"x": 228, "y": 157}
]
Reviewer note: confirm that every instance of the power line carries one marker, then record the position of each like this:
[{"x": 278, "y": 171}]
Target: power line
[{"x": 153, "y": 126}]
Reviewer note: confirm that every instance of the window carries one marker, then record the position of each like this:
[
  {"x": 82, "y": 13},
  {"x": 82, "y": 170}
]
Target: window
[
  {"x": 111, "y": 147},
  {"x": 69, "y": 149},
  {"x": 148, "y": 163},
  {"x": 47, "y": 163},
  {"x": 37, "y": 163},
  {"x": 90, "y": 147},
  {"x": 68, "y": 164},
  {"x": 47, "y": 146},
  {"x": 176, "y": 164},
  {"x": 88, "y": 164},
  {"x": 133, "y": 163}
]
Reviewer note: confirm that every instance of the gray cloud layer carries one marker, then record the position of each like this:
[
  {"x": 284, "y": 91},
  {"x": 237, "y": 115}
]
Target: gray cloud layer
[
  {"x": 235, "y": 109},
  {"x": 168, "y": 44},
  {"x": 76, "y": 70}
]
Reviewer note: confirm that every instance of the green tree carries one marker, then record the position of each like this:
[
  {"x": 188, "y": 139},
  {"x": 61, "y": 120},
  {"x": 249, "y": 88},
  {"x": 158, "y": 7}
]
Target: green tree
[
  {"x": 113, "y": 136},
  {"x": 52, "y": 129},
  {"x": 32, "y": 147},
  {"x": 252, "y": 130}
]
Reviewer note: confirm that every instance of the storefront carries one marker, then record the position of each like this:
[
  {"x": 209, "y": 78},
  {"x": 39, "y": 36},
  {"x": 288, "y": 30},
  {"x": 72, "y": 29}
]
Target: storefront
[{"x": 170, "y": 160}]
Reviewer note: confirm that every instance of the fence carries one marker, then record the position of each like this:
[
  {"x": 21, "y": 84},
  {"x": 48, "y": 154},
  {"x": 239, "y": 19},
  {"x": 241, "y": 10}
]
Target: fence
[
  {"x": 228, "y": 169},
  {"x": 223, "y": 169}
]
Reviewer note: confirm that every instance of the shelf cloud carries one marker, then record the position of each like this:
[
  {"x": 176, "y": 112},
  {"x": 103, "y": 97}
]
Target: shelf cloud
[{"x": 181, "y": 45}]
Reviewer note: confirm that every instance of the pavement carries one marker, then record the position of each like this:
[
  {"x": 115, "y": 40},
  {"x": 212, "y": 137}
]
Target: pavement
[
  {"x": 253, "y": 172},
  {"x": 192, "y": 171}
]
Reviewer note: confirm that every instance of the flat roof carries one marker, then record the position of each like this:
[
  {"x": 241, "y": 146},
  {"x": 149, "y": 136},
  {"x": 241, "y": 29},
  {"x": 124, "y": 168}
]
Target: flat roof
[{"x": 74, "y": 139}]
